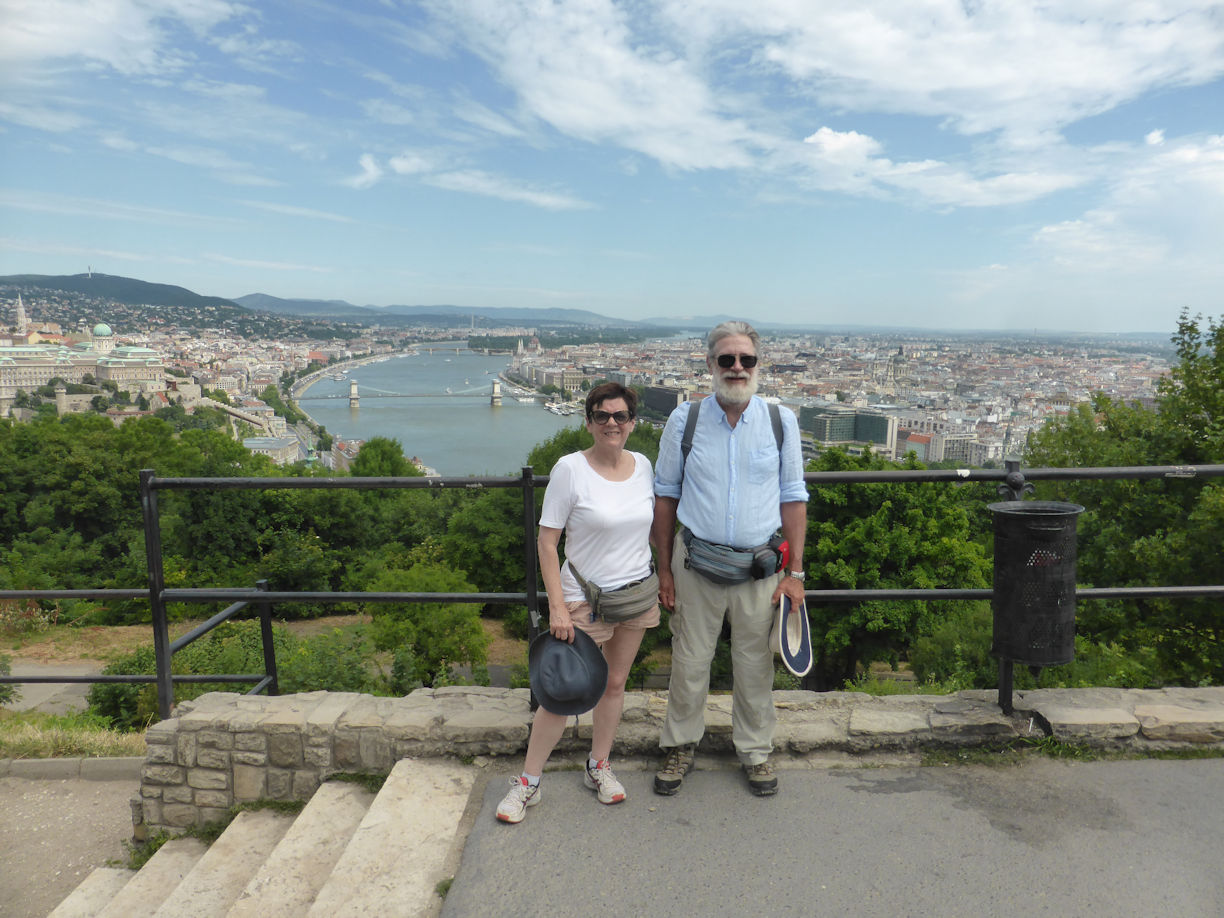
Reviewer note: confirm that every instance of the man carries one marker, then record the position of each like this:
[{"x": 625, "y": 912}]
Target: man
[{"x": 736, "y": 488}]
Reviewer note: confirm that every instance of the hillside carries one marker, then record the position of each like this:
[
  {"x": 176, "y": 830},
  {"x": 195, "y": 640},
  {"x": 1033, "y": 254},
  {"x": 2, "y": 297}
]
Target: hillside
[{"x": 119, "y": 289}]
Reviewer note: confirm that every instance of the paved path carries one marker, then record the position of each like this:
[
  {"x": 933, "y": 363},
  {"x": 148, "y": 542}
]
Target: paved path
[
  {"x": 53, "y": 832},
  {"x": 52, "y": 697},
  {"x": 1128, "y": 839}
]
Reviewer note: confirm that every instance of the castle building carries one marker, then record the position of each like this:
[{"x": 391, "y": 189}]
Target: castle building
[{"x": 26, "y": 366}]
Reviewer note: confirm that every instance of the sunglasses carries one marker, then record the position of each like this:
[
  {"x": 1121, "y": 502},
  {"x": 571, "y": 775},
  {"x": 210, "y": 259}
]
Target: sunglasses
[
  {"x": 727, "y": 361},
  {"x": 599, "y": 416}
]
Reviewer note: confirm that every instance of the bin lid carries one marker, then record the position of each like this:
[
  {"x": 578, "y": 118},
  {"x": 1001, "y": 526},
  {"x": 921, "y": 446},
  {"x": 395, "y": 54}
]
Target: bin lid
[{"x": 1035, "y": 508}]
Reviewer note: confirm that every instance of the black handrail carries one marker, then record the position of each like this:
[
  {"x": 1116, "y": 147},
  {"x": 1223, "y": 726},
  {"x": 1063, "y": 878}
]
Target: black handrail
[{"x": 1012, "y": 483}]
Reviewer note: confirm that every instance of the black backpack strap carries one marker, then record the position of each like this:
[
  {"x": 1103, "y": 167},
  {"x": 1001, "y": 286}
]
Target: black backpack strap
[
  {"x": 775, "y": 418},
  {"x": 686, "y": 442},
  {"x": 690, "y": 425}
]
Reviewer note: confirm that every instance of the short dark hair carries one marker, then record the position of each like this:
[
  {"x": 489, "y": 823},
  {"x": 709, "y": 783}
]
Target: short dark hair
[{"x": 607, "y": 390}]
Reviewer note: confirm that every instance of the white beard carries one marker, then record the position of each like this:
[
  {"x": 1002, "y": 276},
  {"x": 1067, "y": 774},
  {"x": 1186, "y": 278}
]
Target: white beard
[{"x": 735, "y": 392}]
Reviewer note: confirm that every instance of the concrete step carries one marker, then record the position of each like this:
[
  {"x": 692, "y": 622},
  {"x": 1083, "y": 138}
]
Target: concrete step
[
  {"x": 398, "y": 854},
  {"x": 97, "y": 889},
  {"x": 288, "y": 881},
  {"x": 216, "y": 881},
  {"x": 156, "y": 880}
]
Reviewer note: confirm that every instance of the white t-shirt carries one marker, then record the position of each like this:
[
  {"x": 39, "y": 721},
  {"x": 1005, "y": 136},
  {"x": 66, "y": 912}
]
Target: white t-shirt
[{"x": 606, "y": 523}]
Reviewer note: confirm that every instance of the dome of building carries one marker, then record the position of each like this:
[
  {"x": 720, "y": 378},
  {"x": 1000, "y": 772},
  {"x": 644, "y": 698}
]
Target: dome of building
[{"x": 102, "y": 330}]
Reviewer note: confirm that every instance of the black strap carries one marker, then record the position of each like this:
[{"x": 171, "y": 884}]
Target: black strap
[{"x": 690, "y": 425}]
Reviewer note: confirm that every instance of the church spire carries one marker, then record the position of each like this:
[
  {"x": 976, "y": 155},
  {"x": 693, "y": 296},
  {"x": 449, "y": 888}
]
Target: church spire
[{"x": 23, "y": 323}]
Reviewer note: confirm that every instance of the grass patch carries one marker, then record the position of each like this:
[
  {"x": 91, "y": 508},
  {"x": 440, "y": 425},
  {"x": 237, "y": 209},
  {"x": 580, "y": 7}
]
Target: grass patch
[
  {"x": 444, "y": 887},
  {"x": 372, "y": 783},
  {"x": 1021, "y": 750},
  {"x": 35, "y": 735},
  {"x": 872, "y": 683},
  {"x": 139, "y": 854}
]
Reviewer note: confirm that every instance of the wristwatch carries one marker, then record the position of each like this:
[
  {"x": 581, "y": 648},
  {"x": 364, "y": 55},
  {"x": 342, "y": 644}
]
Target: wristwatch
[{"x": 798, "y": 575}]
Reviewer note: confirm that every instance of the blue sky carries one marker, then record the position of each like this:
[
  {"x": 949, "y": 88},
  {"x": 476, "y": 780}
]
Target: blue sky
[{"x": 975, "y": 164}]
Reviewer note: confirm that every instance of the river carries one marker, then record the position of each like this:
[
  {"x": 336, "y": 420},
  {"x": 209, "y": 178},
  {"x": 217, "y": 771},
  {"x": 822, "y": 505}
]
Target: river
[{"x": 437, "y": 406}]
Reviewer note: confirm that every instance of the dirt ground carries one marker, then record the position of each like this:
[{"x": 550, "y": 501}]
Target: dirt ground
[{"x": 102, "y": 643}]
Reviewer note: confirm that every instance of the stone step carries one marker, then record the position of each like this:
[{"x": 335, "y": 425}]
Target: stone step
[
  {"x": 156, "y": 880},
  {"x": 95, "y": 891},
  {"x": 397, "y": 856},
  {"x": 219, "y": 877},
  {"x": 288, "y": 881}
]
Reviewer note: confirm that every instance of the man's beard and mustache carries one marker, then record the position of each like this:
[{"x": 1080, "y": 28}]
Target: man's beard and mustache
[{"x": 735, "y": 391}]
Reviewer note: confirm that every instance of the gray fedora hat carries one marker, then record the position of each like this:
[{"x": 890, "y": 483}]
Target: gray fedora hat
[{"x": 567, "y": 678}]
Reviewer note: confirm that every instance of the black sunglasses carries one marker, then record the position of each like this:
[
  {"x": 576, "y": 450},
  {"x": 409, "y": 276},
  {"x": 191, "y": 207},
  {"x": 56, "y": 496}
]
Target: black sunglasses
[
  {"x": 727, "y": 361},
  {"x": 599, "y": 416}
]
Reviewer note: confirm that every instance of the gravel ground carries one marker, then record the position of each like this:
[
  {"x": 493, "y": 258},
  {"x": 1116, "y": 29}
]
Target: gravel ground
[{"x": 53, "y": 833}]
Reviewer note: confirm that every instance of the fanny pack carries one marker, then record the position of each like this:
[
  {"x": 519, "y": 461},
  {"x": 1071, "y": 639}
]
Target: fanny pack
[
  {"x": 623, "y": 603},
  {"x": 724, "y": 564}
]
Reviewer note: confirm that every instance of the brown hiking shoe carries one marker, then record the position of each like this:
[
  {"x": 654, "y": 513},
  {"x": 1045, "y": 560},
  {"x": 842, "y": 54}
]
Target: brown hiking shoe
[
  {"x": 761, "y": 779},
  {"x": 677, "y": 763}
]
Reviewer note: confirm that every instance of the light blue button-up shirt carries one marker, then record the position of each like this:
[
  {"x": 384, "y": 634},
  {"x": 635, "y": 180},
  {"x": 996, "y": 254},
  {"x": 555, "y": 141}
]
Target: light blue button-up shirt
[{"x": 733, "y": 485}]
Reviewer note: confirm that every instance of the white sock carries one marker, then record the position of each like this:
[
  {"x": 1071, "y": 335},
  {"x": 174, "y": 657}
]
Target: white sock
[
  {"x": 532, "y": 780},
  {"x": 592, "y": 764}
]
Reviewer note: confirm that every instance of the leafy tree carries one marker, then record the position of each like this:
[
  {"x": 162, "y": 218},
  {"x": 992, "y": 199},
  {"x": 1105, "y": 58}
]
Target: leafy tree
[
  {"x": 437, "y": 635},
  {"x": 1151, "y": 533},
  {"x": 879, "y": 536},
  {"x": 383, "y": 457}
]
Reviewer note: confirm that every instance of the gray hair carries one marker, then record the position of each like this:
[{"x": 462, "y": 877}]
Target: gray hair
[{"x": 726, "y": 330}]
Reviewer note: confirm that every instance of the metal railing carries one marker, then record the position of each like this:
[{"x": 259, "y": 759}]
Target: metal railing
[{"x": 1011, "y": 483}]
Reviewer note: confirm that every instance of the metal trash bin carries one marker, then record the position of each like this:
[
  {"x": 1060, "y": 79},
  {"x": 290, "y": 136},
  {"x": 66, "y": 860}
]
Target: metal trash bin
[{"x": 1034, "y": 581}]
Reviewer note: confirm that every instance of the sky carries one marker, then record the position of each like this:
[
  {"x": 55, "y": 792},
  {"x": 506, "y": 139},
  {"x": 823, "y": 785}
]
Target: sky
[{"x": 945, "y": 164}]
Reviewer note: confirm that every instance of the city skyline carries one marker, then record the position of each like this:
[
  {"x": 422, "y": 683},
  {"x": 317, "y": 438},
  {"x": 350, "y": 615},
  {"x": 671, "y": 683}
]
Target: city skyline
[{"x": 935, "y": 165}]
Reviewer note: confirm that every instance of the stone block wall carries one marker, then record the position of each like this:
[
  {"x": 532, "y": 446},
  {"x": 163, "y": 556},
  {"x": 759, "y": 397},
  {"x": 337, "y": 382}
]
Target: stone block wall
[{"x": 223, "y": 749}]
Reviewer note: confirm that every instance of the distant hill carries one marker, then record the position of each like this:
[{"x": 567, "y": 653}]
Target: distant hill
[
  {"x": 444, "y": 314},
  {"x": 120, "y": 289},
  {"x": 262, "y": 302}
]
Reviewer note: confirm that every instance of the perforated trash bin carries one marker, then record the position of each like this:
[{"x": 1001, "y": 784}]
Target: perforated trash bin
[{"x": 1034, "y": 581}]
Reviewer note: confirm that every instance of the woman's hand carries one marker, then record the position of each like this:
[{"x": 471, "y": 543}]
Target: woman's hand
[{"x": 560, "y": 623}]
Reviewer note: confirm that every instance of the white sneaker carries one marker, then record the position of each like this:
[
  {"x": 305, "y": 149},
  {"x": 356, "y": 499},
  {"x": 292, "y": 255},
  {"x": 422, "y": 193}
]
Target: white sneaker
[
  {"x": 601, "y": 779},
  {"x": 514, "y": 805}
]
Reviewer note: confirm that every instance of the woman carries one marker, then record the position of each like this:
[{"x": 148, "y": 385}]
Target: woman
[{"x": 603, "y": 498}]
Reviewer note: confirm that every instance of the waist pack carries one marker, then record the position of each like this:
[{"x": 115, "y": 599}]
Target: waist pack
[
  {"x": 724, "y": 564},
  {"x": 623, "y": 603}
]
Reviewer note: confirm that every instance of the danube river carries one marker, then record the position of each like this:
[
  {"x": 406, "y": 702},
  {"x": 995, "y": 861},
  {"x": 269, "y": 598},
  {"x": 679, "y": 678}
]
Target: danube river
[{"x": 437, "y": 406}]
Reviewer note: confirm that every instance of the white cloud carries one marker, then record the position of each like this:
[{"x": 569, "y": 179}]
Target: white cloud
[
  {"x": 41, "y": 117},
  {"x": 108, "y": 210},
  {"x": 290, "y": 210},
  {"x": 411, "y": 163},
  {"x": 127, "y": 35},
  {"x": 1154, "y": 138},
  {"x": 56, "y": 248},
  {"x": 369, "y": 176},
  {"x": 266, "y": 265},
  {"x": 1022, "y": 69},
  {"x": 580, "y": 69},
  {"x": 482, "y": 183}
]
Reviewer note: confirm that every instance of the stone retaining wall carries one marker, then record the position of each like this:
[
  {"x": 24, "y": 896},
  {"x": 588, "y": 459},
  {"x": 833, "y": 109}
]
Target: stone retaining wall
[{"x": 222, "y": 749}]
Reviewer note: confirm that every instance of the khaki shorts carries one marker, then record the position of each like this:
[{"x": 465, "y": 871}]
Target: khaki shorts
[{"x": 601, "y": 632}]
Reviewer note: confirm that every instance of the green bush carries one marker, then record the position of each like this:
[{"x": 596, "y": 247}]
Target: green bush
[
  {"x": 955, "y": 652},
  {"x": 336, "y": 662},
  {"x": 8, "y": 691}
]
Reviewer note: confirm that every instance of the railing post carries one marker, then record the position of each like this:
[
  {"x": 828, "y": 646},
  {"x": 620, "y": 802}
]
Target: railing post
[
  {"x": 1014, "y": 487},
  {"x": 529, "y": 553},
  {"x": 531, "y": 562},
  {"x": 265, "y": 629},
  {"x": 157, "y": 583}
]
